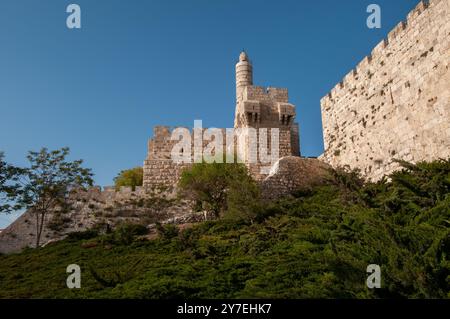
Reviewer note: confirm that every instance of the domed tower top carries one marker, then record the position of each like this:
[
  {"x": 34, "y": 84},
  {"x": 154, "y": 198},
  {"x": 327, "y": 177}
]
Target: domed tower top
[
  {"x": 244, "y": 75},
  {"x": 243, "y": 56}
]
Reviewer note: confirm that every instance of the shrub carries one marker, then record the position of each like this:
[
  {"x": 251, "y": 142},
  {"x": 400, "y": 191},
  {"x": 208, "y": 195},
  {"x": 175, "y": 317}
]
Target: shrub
[
  {"x": 317, "y": 245},
  {"x": 82, "y": 235},
  {"x": 131, "y": 177},
  {"x": 168, "y": 231},
  {"x": 221, "y": 187},
  {"x": 126, "y": 233}
]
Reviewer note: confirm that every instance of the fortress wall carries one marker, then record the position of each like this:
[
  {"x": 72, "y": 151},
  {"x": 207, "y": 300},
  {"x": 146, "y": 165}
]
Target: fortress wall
[
  {"x": 396, "y": 103},
  {"x": 292, "y": 174},
  {"x": 295, "y": 139},
  {"x": 161, "y": 171},
  {"x": 159, "y": 168},
  {"x": 270, "y": 94},
  {"x": 261, "y": 169}
]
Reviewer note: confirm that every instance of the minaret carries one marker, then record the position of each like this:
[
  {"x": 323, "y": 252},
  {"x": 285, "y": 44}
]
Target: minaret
[{"x": 244, "y": 75}]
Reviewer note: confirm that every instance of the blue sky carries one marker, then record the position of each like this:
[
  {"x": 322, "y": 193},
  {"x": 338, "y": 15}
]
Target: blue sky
[{"x": 136, "y": 64}]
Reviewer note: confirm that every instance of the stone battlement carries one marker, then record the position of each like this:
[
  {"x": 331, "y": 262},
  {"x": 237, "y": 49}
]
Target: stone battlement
[
  {"x": 395, "y": 103},
  {"x": 261, "y": 93},
  {"x": 417, "y": 16}
]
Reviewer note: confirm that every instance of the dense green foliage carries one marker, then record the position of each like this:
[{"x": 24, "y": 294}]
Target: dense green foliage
[
  {"x": 220, "y": 188},
  {"x": 316, "y": 245},
  {"x": 131, "y": 177},
  {"x": 9, "y": 186}
]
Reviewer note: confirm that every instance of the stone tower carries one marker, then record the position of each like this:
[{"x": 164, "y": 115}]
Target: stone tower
[
  {"x": 257, "y": 108},
  {"x": 244, "y": 75},
  {"x": 263, "y": 108}
]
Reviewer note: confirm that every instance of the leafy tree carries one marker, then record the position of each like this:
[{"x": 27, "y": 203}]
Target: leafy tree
[
  {"x": 9, "y": 186},
  {"x": 131, "y": 177},
  {"x": 219, "y": 187},
  {"x": 48, "y": 181}
]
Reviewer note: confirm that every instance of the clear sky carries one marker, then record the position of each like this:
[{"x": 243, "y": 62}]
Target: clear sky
[{"x": 135, "y": 64}]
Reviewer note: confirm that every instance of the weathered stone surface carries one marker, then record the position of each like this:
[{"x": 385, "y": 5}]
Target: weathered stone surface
[
  {"x": 291, "y": 174},
  {"x": 93, "y": 208},
  {"x": 396, "y": 103}
]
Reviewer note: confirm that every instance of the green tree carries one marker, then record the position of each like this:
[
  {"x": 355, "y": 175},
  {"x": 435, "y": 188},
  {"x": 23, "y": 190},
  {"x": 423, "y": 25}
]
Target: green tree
[
  {"x": 9, "y": 186},
  {"x": 131, "y": 177},
  {"x": 220, "y": 187},
  {"x": 48, "y": 181}
]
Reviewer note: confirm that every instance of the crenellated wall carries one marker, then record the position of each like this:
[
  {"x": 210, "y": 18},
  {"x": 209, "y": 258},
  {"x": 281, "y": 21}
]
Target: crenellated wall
[{"x": 396, "y": 103}]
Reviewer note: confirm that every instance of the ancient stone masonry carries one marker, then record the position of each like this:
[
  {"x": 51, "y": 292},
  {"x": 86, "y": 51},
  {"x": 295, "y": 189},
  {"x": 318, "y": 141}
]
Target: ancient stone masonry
[
  {"x": 256, "y": 108},
  {"x": 259, "y": 107},
  {"x": 396, "y": 103},
  {"x": 99, "y": 209},
  {"x": 294, "y": 174},
  {"x": 160, "y": 170}
]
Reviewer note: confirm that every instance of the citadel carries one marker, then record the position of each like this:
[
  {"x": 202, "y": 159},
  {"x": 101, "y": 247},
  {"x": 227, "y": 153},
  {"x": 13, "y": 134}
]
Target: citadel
[
  {"x": 395, "y": 104},
  {"x": 264, "y": 126}
]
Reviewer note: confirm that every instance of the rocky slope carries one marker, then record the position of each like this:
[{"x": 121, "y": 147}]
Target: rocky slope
[
  {"x": 108, "y": 208},
  {"x": 101, "y": 209}
]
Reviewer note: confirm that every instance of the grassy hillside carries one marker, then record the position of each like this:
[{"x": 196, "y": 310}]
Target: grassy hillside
[{"x": 316, "y": 245}]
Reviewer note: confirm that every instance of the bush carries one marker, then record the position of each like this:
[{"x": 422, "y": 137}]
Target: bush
[
  {"x": 168, "y": 231},
  {"x": 82, "y": 235},
  {"x": 127, "y": 233},
  {"x": 220, "y": 188},
  {"x": 131, "y": 177},
  {"x": 317, "y": 245}
]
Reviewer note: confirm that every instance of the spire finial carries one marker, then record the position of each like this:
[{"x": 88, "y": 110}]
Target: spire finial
[{"x": 243, "y": 56}]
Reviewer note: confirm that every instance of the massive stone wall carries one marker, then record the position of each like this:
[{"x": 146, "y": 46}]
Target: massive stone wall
[
  {"x": 161, "y": 171},
  {"x": 292, "y": 174},
  {"x": 396, "y": 103}
]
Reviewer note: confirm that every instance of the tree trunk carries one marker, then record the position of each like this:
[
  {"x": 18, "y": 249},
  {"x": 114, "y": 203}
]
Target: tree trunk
[
  {"x": 41, "y": 227},
  {"x": 37, "y": 229}
]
